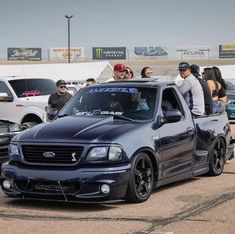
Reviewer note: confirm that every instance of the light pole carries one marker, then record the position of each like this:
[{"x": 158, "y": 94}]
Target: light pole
[{"x": 68, "y": 18}]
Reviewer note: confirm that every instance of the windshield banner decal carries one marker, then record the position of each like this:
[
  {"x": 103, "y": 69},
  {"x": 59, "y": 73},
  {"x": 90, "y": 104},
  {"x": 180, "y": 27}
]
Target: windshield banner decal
[{"x": 113, "y": 90}]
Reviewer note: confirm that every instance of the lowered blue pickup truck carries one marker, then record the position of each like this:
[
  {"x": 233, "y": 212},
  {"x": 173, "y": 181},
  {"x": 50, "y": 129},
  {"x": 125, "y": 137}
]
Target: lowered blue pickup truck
[{"x": 117, "y": 140}]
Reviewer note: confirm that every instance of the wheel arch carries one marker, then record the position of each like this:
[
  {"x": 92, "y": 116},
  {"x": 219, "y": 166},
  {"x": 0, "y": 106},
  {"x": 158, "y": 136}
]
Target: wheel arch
[
  {"x": 216, "y": 159},
  {"x": 215, "y": 141},
  {"x": 31, "y": 118},
  {"x": 151, "y": 154}
]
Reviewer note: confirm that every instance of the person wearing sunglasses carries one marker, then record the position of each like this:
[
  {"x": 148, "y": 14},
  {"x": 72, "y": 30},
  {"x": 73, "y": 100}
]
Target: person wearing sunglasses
[
  {"x": 58, "y": 99},
  {"x": 191, "y": 90},
  {"x": 146, "y": 72},
  {"x": 129, "y": 74}
]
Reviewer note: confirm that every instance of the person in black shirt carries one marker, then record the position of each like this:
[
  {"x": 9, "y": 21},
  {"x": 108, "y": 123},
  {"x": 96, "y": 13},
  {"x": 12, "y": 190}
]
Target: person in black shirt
[
  {"x": 57, "y": 100},
  {"x": 222, "y": 96},
  {"x": 206, "y": 91}
]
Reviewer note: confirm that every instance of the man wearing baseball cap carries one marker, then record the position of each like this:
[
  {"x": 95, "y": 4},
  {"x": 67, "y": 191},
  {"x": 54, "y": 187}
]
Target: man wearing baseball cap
[
  {"x": 119, "y": 71},
  {"x": 57, "y": 100},
  {"x": 191, "y": 90}
]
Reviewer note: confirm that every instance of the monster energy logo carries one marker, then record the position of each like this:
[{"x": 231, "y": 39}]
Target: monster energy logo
[
  {"x": 109, "y": 52},
  {"x": 99, "y": 53}
]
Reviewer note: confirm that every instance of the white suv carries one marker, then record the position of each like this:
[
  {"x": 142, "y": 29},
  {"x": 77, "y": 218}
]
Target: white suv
[{"x": 23, "y": 100}]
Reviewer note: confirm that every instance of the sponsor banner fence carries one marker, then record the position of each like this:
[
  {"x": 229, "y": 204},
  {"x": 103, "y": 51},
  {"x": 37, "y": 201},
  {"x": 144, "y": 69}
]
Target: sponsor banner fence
[
  {"x": 29, "y": 54},
  {"x": 227, "y": 51},
  {"x": 61, "y": 54},
  {"x": 193, "y": 52},
  {"x": 108, "y": 53},
  {"x": 151, "y": 51}
]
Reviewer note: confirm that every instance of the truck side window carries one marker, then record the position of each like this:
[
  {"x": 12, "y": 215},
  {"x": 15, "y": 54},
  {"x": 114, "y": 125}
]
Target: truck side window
[
  {"x": 170, "y": 101},
  {"x": 4, "y": 89}
]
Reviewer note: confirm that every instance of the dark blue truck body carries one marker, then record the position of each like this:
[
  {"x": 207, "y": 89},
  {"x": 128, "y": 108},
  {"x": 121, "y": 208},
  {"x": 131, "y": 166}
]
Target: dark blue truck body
[{"x": 90, "y": 153}]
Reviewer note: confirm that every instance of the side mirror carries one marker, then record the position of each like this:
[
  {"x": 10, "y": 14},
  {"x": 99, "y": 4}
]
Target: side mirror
[
  {"x": 5, "y": 98},
  {"x": 172, "y": 116}
]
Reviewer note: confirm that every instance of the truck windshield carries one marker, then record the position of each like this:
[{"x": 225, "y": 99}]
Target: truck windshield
[
  {"x": 133, "y": 103},
  {"x": 33, "y": 87}
]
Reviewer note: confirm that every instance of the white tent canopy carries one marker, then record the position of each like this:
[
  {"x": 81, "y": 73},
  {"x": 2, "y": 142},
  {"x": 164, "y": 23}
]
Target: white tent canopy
[{"x": 101, "y": 71}]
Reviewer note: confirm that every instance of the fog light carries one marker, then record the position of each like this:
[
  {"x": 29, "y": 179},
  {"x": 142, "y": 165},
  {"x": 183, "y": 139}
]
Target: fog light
[
  {"x": 6, "y": 184},
  {"x": 105, "y": 188}
]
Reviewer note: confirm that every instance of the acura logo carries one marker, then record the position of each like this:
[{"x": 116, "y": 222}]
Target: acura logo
[{"x": 49, "y": 154}]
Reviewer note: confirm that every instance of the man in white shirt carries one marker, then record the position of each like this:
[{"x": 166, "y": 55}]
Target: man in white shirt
[
  {"x": 191, "y": 90},
  {"x": 119, "y": 71}
]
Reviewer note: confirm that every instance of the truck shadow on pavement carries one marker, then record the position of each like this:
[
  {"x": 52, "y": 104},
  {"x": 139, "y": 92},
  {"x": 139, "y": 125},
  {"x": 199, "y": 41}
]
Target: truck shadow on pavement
[
  {"x": 57, "y": 205},
  {"x": 46, "y": 205},
  {"x": 174, "y": 184}
]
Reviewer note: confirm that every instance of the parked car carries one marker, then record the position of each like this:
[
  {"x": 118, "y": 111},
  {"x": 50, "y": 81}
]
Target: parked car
[
  {"x": 230, "y": 109},
  {"x": 230, "y": 89},
  {"x": 7, "y": 131},
  {"x": 71, "y": 89},
  {"x": 117, "y": 140},
  {"x": 23, "y": 99}
]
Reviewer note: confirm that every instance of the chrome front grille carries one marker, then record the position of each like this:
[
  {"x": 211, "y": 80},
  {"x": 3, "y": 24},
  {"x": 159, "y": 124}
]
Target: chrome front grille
[{"x": 52, "y": 155}]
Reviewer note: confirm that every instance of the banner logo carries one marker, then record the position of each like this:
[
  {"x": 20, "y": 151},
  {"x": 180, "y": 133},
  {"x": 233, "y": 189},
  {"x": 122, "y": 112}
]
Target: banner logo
[
  {"x": 30, "y": 54},
  {"x": 194, "y": 52},
  {"x": 156, "y": 51},
  {"x": 226, "y": 51},
  {"x": 108, "y": 53},
  {"x": 61, "y": 54},
  {"x": 99, "y": 52}
]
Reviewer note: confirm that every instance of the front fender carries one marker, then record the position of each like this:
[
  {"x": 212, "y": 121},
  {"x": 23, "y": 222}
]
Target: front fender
[{"x": 33, "y": 110}]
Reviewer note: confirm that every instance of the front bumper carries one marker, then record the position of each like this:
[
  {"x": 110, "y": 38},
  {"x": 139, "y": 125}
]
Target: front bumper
[{"x": 77, "y": 184}]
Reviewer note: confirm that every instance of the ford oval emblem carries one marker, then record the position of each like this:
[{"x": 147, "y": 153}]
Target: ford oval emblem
[{"x": 49, "y": 154}]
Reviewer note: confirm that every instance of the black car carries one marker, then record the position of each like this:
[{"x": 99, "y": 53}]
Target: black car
[{"x": 8, "y": 129}]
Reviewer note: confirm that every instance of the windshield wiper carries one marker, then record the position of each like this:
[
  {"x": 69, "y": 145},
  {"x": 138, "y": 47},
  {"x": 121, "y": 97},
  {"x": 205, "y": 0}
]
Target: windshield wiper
[
  {"x": 60, "y": 116},
  {"x": 120, "y": 117}
]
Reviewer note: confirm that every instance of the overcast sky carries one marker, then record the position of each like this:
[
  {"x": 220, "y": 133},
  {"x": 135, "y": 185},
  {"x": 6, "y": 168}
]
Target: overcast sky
[{"x": 170, "y": 23}]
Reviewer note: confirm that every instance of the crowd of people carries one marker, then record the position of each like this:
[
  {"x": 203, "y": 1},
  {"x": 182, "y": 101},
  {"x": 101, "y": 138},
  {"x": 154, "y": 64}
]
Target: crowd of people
[
  {"x": 204, "y": 93},
  {"x": 122, "y": 72}
]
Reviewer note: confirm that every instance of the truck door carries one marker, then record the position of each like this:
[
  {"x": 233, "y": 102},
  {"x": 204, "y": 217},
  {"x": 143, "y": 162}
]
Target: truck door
[
  {"x": 176, "y": 139},
  {"x": 7, "y": 108}
]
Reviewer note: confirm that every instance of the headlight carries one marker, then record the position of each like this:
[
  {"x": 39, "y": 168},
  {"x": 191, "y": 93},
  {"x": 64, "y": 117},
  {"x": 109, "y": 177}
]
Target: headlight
[
  {"x": 14, "y": 151},
  {"x": 112, "y": 153},
  {"x": 115, "y": 153},
  {"x": 98, "y": 153},
  {"x": 14, "y": 127}
]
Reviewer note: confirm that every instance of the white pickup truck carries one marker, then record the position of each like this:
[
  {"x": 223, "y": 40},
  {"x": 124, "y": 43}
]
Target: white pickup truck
[{"x": 23, "y": 100}]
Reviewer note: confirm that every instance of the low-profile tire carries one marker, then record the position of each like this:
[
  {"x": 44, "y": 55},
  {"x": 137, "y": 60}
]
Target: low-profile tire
[
  {"x": 141, "y": 179},
  {"x": 217, "y": 157},
  {"x": 27, "y": 125}
]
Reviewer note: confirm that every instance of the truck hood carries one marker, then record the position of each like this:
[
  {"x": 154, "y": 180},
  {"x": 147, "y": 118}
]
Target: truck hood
[{"x": 92, "y": 129}]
